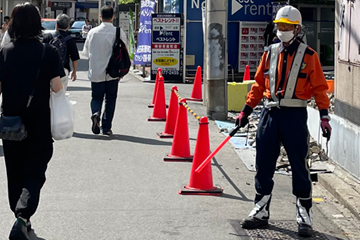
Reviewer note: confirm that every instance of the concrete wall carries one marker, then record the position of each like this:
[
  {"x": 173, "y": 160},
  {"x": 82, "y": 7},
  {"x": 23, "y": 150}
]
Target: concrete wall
[
  {"x": 344, "y": 144},
  {"x": 347, "y": 84}
]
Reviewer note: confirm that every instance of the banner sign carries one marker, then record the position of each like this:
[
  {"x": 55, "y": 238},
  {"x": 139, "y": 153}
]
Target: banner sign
[
  {"x": 143, "y": 51},
  {"x": 166, "y": 48}
]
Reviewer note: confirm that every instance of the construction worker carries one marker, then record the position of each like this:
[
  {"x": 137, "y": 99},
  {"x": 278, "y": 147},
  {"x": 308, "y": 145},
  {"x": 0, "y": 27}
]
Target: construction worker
[{"x": 288, "y": 75}]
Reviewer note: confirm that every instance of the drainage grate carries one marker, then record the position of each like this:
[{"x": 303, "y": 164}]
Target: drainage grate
[{"x": 276, "y": 230}]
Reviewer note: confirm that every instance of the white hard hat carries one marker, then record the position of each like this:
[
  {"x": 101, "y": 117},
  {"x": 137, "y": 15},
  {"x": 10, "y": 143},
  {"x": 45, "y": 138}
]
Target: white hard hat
[{"x": 288, "y": 14}]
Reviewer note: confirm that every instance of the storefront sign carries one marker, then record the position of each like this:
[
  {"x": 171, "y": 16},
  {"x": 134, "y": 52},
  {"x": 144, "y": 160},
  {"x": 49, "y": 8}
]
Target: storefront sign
[
  {"x": 166, "y": 48},
  {"x": 238, "y": 10},
  {"x": 61, "y": 4}
]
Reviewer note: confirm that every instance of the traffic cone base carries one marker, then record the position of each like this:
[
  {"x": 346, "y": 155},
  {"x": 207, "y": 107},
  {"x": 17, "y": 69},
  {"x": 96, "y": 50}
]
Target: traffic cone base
[
  {"x": 155, "y": 119},
  {"x": 215, "y": 191},
  {"x": 173, "y": 158},
  {"x": 194, "y": 99},
  {"x": 164, "y": 135}
]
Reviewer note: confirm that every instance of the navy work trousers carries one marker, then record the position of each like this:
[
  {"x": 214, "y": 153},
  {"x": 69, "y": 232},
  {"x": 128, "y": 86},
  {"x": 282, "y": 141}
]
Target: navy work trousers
[
  {"x": 286, "y": 125},
  {"x": 104, "y": 90}
]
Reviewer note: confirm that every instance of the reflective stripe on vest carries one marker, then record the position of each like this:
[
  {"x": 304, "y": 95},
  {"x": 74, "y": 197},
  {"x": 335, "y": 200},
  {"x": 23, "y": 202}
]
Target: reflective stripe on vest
[{"x": 287, "y": 101}]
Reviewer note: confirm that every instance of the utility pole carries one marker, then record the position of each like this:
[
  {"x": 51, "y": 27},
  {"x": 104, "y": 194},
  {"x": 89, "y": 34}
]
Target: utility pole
[{"x": 216, "y": 60}]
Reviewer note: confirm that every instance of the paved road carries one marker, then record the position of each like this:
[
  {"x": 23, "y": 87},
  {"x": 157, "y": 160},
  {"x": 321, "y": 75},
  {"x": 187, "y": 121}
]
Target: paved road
[{"x": 118, "y": 187}]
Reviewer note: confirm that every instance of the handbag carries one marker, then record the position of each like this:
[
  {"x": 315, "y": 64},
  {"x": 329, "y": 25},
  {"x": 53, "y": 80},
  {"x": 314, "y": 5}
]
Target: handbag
[{"x": 11, "y": 127}]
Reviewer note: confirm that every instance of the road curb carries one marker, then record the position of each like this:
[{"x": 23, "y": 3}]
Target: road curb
[{"x": 344, "y": 187}]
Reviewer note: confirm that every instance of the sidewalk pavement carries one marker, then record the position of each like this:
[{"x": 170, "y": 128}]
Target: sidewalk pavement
[{"x": 118, "y": 187}]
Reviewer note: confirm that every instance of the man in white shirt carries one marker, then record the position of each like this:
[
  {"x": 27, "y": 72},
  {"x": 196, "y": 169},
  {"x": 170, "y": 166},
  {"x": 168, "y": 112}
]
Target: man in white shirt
[{"x": 98, "y": 48}]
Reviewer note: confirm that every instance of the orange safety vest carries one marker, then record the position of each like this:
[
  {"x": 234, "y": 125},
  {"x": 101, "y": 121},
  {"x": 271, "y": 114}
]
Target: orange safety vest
[{"x": 293, "y": 86}]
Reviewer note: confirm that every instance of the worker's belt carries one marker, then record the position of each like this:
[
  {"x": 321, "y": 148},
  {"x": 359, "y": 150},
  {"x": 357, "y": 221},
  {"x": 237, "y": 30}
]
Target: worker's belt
[{"x": 269, "y": 103}]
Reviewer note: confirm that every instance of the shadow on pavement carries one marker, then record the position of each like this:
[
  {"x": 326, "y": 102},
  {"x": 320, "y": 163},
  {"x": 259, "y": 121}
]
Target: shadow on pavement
[
  {"x": 78, "y": 88},
  {"x": 121, "y": 138},
  {"x": 242, "y": 195},
  {"x": 1, "y": 151}
]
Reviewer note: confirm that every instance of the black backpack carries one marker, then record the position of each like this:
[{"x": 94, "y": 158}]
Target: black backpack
[
  {"x": 119, "y": 63},
  {"x": 59, "y": 42}
]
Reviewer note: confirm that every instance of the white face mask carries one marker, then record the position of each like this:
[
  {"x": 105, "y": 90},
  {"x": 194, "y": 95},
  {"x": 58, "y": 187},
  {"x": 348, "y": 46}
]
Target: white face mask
[{"x": 285, "y": 36}]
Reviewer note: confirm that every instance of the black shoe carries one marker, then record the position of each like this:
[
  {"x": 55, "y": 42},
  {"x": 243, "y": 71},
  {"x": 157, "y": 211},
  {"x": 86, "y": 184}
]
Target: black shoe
[
  {"x": 305, "y": 230},
  {"x": 109, "y": 133},
  {"x": 28, "y": 226},
  {"x": 95, "y": 118},
  {"x": 252, "y": 222},
  {"x": 19, "y": 231}
]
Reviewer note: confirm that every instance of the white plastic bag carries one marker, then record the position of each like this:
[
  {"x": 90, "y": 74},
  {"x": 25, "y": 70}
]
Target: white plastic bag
[{"x": 62, "y": 116}]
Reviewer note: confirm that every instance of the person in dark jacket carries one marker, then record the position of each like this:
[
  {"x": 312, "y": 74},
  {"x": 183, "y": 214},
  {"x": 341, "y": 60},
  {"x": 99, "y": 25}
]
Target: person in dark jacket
[
  {"x": 62, "y": 25},
  {"x": 26, "y": 161}
]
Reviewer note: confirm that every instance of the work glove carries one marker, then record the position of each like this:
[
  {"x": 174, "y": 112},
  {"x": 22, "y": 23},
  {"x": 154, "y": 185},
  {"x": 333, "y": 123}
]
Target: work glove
[
  {"x": 241, "y": 120},
  {"x": 326, "y": 128}
]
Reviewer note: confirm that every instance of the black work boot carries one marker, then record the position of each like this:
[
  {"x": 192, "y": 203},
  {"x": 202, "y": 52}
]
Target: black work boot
[
  {"x": 304, "y": 217},
  {"x": 19, "y": 231},
  {"x": 260, "y": 214},
  {"x": 305, "y": 230},
  {"x": 253, "y": 222}
]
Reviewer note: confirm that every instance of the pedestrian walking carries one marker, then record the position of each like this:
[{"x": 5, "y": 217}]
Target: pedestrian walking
[
  {"x": 27, "y": 65},
  {"x": 288, "y": 75},
  {"x": 66, "y": 46},
  {"x": 98, "y": 48},
  {"x": 85, "y": 29},
  {"x": 4, "y": 27}
]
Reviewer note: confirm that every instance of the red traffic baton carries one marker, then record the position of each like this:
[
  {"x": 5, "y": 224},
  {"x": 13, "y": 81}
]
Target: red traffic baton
[{"x": 208, "y": 159}]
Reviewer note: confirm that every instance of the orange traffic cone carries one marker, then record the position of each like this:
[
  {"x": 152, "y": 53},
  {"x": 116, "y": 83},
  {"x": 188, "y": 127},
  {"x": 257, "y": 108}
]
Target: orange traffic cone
[
  {"x": 201, "y": 183},
  {"x": 171, "y": 116},
  {"x": 247, "y": 73},
  {"x": 196, "y": 94},
  {"x": 151, "y": 105},
  {"x": 180, "y": 150},
  {"x": 159, "y": 112}
]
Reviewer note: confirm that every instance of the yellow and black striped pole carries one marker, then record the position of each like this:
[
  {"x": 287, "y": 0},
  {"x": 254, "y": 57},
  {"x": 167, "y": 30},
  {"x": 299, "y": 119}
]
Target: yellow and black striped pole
[{"x": 188, "y": 108}]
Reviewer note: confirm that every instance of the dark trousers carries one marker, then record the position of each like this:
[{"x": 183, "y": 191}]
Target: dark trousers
[
  {"x": 287, "y": 125},
  {"x": 25, "y": 168},
  {"x": 104, "y": 90}
]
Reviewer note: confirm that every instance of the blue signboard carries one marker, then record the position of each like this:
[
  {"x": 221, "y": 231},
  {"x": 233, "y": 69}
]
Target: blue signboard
[
  {"x": 239, "y": 10},
  {"x": 164, "y": 36},
  {"x": 250, "y": 10}
]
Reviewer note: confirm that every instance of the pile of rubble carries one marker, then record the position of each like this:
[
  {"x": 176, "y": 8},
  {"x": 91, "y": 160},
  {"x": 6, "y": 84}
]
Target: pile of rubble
[
  {"x": 331, "y": 96},
  {"x": 316, "y": 153}
]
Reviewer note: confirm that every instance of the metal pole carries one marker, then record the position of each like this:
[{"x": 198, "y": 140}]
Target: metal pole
[
  {"x": 215, "y": 61},
  {"x": 184, "y": 42},
  {"x": 160, "y": 6},
  {"x": 99, "y": 8},
  {"x": 117, "y": 13}
]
